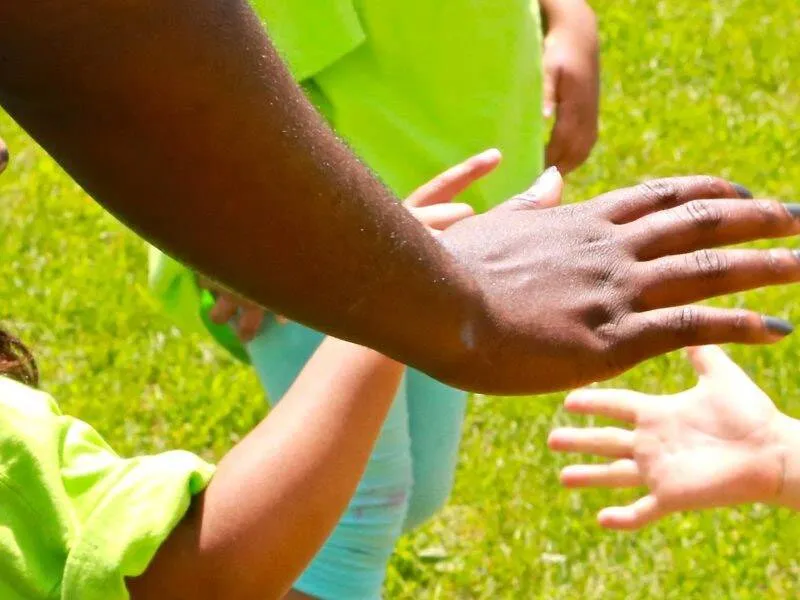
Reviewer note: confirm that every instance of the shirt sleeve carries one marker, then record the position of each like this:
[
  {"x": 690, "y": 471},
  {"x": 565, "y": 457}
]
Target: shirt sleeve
[
  {"x": 123, "y": 509},
  {"x": 311, "y": 35}
]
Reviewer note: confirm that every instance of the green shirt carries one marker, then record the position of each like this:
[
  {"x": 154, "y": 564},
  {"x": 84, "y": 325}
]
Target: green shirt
[
  {"x": 414, "y": 87},
  {"x": 75, "y": 518}
]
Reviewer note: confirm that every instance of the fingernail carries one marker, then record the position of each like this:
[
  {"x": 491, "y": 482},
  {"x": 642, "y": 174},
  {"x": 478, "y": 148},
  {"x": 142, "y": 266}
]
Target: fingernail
[
  {"x": 793, "y": 209},
  {"x": 545, "y": 177},
  {"x": 779, "y": 326},
  {"x": 796, "y": 254},
  {"x": 743, "y": 191}
]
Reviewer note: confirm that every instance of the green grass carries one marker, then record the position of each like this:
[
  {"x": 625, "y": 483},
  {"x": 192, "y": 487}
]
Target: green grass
[{"x": 689, "y": 86}]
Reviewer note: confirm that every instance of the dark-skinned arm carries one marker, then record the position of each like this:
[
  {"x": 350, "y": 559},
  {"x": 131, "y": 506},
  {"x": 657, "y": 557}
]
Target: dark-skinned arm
[{"x": 180, "y": 119}]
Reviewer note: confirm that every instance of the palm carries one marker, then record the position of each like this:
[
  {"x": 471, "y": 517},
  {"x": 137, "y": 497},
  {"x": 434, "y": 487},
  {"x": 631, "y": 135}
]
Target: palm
[{"x": 694, "y": 446}]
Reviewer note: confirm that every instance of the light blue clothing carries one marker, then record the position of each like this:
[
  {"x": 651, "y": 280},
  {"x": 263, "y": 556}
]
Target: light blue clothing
[{"x": 408, "y": 478}]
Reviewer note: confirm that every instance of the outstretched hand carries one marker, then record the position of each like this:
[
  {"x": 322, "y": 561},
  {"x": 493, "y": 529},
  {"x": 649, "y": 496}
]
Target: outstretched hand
[
  {"x": 714, "y": 445},
  {"x": 580, "y": 293}
]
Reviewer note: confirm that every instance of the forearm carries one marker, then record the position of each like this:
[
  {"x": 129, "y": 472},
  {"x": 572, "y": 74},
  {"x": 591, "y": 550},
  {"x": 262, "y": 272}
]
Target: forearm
[
  {"x": 180, "y": 119},
  {"x": 278, "y": 494}
]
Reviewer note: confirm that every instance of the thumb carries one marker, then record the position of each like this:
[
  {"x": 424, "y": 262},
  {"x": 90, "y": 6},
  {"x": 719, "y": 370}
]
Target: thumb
[
  {"x": 544, "y": 193},
  {"x": 712, "y": 362}
]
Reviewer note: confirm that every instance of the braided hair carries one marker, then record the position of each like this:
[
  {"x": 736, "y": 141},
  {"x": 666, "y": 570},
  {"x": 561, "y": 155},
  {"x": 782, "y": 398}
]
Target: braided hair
[{"x": 16, "y": 361}]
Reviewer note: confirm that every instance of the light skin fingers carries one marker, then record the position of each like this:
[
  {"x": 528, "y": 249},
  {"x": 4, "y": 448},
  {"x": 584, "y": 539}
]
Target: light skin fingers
[
  {"x": 455, "y": 180},
  {"x": 611, "y": 442},
  {"x": 634, "y": 516},
  {"x": 621, "y": 405},
  {"x": 441, "y": 216},
  {"x": 618, "y": 474}
]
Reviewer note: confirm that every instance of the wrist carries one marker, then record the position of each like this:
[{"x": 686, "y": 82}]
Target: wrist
[{"x": 788, "y": 447}]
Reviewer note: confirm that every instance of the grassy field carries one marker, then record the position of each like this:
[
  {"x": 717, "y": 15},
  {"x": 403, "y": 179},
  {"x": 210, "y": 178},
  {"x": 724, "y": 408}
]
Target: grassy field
[{"x": 688, "y": 86}]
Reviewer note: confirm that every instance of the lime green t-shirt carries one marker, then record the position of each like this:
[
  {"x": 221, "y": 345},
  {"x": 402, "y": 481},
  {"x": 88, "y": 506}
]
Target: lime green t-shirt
[
  {"x": 75, "y": 518},
  {"x": 414, "y": 87}
]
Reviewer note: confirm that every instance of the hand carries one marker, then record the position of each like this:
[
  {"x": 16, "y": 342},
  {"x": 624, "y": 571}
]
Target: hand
[
  {"x": 571, "y": 81},
  {"x": 714, "y": 445},
  {"x": 580, "y": 293},
  {"x": 228, "y": 305}
]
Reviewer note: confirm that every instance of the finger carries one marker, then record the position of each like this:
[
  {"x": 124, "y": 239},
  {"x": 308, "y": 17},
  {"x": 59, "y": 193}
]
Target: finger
[
  {"x": 447, "y": 185},
  {"x": 223, "y": 310},
  {"x": 544, "y": 193},
  {"x": 708, "y": 223},
  {"x": 249, "y": 323},
  {"x": 281, "y": 320},
  {"x": 550, "y": 86},
  {"x": 629, "y": 204},
  {"x": 618, "y": 474},
  {"x": 656, "y": 332},
  {"x": 711, "y": 361},
  {"x": 611, "y": 442},
  {"x": 3, "y": 155},
  {"x": 645, "y": 510},
  {"x": 622, "y": 405},
  {"x": 571, "y": 140},
  {"x": 686, "y": 278},
  {"x": 442, "y": 216}
]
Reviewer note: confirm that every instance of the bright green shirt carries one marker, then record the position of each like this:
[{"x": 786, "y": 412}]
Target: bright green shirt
[
  {"x": 75, "y": 518},
  {"x": 414, "y": 87}
]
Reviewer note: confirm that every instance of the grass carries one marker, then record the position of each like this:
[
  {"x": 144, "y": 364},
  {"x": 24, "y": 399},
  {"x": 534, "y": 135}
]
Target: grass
[{"x": 688, "y": 86}]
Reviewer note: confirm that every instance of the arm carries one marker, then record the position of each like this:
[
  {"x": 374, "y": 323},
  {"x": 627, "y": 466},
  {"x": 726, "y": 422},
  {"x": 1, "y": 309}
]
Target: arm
[
  {"x": 571, "y": 80},
  {"x": 179, "y": 117},
  {"x": 721, "y": 443},
  {"x": 279, "y": 493}
]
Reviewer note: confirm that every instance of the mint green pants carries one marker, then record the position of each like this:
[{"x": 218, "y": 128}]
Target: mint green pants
[{"x": 408, "y": 478}]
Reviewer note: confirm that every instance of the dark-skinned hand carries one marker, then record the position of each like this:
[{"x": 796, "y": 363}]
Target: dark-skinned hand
[{"x": 580, "y": 293}]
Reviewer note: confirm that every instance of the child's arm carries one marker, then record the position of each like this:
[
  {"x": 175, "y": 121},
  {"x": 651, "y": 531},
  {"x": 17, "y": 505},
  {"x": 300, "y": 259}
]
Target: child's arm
[
  {"x": 721, "y": 443},
  {"x": 279, "y": 493},
  {"x": 571, "y": 80}
]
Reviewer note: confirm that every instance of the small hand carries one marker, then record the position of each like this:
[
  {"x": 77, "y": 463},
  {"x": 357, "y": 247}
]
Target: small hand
[
  {"x": 228, "y": 305},
  {"x": 571, "y": 84},
  {"x": 714, "y": 445}
]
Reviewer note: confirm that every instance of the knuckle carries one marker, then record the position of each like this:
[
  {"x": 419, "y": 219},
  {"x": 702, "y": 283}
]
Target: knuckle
[
  {"x": 685, "y": 321},
  {"x": 703, "y": 213},
  {"x": 710, "y": 264},
  {"x": 660, "y": 192}
]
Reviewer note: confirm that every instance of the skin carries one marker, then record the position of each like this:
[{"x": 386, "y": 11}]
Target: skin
[
  {"x": 571, "y": 81},
  {"x": 722, "y": 443},
  {"x": 278, "y": 494},
  {"x": 164, "y": 127}
]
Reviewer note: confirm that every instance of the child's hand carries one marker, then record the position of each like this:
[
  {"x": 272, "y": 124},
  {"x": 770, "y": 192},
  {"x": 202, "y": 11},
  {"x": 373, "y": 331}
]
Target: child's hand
[
  {"x": 571, "y": 81},
  {"x": 432, "y": 203},
  {"x": 714, "y": 445}
]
